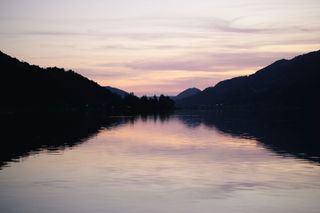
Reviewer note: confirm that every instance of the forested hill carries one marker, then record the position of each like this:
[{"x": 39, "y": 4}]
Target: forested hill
[
  {"x": 25, "y": 86},
  {"x": 291, "y": 83},
  {"x": 187, "y": 93},
  {"x": 117, "y": 91}
]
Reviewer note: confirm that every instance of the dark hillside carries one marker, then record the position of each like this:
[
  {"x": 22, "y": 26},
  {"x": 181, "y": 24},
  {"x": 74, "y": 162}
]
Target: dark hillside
[
  {"x": 291, "y": 83},
  {"x": 25, "y": 86}
]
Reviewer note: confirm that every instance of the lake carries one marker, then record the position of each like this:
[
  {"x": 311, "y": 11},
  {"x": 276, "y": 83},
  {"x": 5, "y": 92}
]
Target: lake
[{"x": 183, "y": 162}]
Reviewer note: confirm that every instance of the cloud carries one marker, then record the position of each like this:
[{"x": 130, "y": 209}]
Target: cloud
[
  {"x": 214, "y": 62},
  {"x": 230, "y": 26},
  {"x": 158, "y": 29},
  {"x": 54, "y": 33},
  {"x": 104, "y": 73},
  {"x": 144, "y": 47},
  {"x": 144, "y": 35}
]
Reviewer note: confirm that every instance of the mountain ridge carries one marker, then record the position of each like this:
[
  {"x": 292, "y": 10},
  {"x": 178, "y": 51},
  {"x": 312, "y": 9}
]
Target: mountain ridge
[
  {"x": 187, "y": 93},
  {"x": 117, "y": 91},
  {"x": 283, "y": 83},
  {"x": 29, "y": 86}
]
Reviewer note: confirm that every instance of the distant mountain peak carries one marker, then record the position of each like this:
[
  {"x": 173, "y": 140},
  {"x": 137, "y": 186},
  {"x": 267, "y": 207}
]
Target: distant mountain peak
[{"x": 187, "y": 93}]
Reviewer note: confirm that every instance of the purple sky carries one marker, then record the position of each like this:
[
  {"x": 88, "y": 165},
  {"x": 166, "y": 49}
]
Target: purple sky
[{"x": 152, "y": 47}]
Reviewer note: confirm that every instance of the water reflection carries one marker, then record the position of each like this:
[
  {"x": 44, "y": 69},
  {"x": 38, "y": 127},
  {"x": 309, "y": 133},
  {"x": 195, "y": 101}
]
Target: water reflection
[
  {"x": 288, "y": 135},
  {"x": 28, "y": 134},
  {"x": 186, "y": 162}
]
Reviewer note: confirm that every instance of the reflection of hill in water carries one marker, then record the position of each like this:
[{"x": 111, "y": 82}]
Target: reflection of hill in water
[
  {"x": 283, "y": 134},
  {"x": 25, "y": 134}
]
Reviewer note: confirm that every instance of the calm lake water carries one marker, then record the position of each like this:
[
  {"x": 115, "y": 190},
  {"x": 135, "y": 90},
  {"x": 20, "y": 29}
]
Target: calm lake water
[{"x": 185, "y": 162}]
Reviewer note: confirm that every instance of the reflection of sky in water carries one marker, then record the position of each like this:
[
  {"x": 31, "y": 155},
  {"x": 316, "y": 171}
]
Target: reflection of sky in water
[{"x": 148, "y": 166}]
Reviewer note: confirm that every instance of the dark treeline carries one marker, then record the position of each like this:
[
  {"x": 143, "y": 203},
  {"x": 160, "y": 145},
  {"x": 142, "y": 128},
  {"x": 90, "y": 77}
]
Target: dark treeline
[
  {"x": 25, "y": 87},
  {"x": 148, "y": 104}
]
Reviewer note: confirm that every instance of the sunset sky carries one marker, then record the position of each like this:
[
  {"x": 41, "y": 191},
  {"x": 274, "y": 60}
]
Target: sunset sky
[{"x": 152, "y": 46}]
